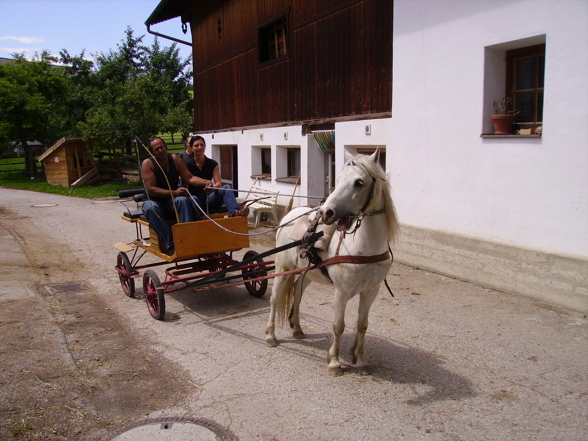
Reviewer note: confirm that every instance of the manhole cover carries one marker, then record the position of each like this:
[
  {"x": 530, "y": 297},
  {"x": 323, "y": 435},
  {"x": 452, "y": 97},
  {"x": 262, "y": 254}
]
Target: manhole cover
[
  {"x": 171, "y": 429},
  {"x": 43, "y": 205},
  {"x": 68, "y": 287}
]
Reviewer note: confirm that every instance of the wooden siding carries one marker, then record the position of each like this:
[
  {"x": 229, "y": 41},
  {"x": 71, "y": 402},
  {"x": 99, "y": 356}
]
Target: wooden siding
[
  {"x": 339, "y": 62},
  {"x": 64, "y": 172}
]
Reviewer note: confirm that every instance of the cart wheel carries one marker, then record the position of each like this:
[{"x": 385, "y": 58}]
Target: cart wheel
[
  {"x": 256, "y": 288},
  {"x": 127, "y": 282},
  {"x": 154, "y": 295}
]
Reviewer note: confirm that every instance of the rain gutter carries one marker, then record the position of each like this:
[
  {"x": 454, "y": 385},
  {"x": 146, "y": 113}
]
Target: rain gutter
[{"x": 177, "y": 40}]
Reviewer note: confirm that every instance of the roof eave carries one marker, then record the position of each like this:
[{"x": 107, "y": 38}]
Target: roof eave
[{"x": 164, "y": 11}]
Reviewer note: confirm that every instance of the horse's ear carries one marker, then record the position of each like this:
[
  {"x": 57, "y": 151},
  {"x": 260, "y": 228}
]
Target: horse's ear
[
  {"x": 346, "y": 156},
  {"x": 375, "y": 157}
]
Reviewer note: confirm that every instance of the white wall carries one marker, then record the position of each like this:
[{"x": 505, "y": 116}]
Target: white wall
[
  {"x": 525, "y": 192},
  {"x": 508, "y": 213},
  {"x": 278, "y": 139}
]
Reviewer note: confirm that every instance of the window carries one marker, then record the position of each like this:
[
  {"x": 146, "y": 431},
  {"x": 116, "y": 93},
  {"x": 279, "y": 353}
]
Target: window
[
  {"x": 261, "y": 162},
  {"x": 293, "y": 163},
  {"x": 266, "y": 162},
  {"x": 271, "y": 41},
  {"x": 288, "y": 160},
  {"x": 525, "y": 72},
  {"x": 515, "y": 70}
]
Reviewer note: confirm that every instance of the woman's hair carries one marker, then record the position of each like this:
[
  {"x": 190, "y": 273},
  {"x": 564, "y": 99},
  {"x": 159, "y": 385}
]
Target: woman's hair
[{"x": 196, "y": 138}]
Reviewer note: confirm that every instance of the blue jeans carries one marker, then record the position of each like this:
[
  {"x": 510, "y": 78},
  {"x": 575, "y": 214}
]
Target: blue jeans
[
  {"x": 157, "y": 212},
  {"x": 217, "y": 198}
]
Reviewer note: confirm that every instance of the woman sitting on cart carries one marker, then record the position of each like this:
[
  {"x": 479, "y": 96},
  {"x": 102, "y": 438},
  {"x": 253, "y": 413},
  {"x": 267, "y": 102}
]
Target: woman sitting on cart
[
  {"x": 214, "y": 194},
  {"x": 161, "y": 175}
]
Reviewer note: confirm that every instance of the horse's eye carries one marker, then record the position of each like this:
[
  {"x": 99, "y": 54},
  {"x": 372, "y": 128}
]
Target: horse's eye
[{"x": 358, "y": 183}]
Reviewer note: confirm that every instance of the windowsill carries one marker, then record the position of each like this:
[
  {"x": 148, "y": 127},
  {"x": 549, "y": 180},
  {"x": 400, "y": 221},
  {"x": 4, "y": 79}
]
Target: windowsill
[
  {"x": 491, "y": 135},
  {"x": 262, "y": 177},
  {"x": 287, "y": 180}
]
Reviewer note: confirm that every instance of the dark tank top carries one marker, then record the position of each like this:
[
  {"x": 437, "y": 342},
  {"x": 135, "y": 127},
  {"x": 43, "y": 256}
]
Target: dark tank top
[
  {"x": 172, "y": 176},
  {"x": 206, "y": 172}
]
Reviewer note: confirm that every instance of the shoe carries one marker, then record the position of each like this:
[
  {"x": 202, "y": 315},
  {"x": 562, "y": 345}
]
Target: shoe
[
  {"x": 170, "y": 251},
  {"x": 241, "y": 212}
]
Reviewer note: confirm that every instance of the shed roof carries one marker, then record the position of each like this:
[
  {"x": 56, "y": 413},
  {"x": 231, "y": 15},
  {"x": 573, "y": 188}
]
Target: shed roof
[{"x": 55, "y": 146}]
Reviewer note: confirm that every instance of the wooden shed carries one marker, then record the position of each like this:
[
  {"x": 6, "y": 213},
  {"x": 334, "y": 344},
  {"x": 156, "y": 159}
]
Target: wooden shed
[{"x": 69, "y": 163}]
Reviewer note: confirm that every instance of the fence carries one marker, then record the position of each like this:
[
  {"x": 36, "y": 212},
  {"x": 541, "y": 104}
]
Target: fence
[{"x": 12, "y": 165}]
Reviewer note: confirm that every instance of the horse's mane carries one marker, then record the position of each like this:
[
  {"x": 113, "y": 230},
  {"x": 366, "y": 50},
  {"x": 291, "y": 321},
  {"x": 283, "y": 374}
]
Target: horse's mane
[{"x": 382, "y": 187}]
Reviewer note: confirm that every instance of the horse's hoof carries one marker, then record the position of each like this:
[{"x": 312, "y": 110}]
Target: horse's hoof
[
  {"x": 272, "y": 342},
  {"x": 364, "y": 370},
  {"x": 298, "y": 335},
  {"x": 335, "y": 371}
]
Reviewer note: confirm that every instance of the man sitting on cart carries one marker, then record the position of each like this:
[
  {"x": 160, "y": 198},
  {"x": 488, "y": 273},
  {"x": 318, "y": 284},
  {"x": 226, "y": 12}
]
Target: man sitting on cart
[
  {"x": 161, "y": 176},
  {"x": 215, "y": 194}
]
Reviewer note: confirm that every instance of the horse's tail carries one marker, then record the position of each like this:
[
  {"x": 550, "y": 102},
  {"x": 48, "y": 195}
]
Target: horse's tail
[{"x": 286, "y": 299}]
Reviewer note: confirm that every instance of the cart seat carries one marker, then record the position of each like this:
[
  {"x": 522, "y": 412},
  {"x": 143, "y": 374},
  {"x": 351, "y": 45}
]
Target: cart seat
[{"x": 138, "y": 196}]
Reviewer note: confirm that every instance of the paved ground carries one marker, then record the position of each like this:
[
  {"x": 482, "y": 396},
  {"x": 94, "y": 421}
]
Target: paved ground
[{"x": 450, "y": 360}]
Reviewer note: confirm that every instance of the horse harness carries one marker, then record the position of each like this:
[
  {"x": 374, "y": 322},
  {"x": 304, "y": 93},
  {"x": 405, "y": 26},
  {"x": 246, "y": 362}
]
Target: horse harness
[{"x": 308, "y": 251}]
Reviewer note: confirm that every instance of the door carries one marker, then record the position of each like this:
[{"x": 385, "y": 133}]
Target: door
[{"x": 228, "y": 165}]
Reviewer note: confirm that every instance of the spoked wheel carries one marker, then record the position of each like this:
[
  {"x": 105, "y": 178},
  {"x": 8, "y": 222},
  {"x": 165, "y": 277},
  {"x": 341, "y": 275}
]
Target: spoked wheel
[
  {"x": 256, "y": 288},
  {"x": 154, "y": 295},
  {"x": 127, "y": 282}
]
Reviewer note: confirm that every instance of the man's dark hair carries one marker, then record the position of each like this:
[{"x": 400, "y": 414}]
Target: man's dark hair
[{"x": 157, "y": 137}]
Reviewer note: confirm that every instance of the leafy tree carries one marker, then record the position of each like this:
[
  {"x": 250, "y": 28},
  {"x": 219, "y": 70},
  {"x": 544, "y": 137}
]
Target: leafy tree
[
  {"x": 32, "y": 102},
  {"x": 141, "y": 91},
  {"x": 136, "y": 90},
  {"x": 80, "y": 96}
]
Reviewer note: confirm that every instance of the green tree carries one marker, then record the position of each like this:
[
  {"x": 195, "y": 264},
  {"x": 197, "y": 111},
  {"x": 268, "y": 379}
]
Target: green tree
[
  {"x": 140, "y": 91},
  {"x": 81, "y": 93},
  {"x": 136, "y": 90},
  {"x": 32, "y": 103}
]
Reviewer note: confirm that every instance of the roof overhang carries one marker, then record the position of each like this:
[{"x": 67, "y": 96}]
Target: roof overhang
[{"x": 166, "y": 10}]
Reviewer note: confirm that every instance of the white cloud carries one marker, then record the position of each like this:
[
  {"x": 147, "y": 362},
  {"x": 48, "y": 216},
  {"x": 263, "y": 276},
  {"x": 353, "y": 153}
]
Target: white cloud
[
  {"x": 19, "y": 49},
  {"x": 25, "y": 40}
]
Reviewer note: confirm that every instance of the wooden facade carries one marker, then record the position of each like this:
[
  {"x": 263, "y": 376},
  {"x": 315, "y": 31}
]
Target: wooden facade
[
  {"x": 67, "y": 161},
  {"x": 337, "y": 63}
]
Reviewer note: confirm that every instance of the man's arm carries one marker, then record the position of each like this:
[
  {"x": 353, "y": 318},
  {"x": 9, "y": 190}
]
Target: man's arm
[{"x": 151, "y": 183}]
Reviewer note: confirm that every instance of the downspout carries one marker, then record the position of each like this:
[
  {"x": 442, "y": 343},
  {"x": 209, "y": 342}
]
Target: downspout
[{"x": 167, "y": 36}]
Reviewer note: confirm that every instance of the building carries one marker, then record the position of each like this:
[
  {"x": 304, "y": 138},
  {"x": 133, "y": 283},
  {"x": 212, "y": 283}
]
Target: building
[
  {"x": 282, "y": 88},
  {"x": 69, "y": 163}
]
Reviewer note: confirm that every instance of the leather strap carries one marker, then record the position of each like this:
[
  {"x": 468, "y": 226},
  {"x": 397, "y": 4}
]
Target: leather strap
[{"x": 354, "y": 259}]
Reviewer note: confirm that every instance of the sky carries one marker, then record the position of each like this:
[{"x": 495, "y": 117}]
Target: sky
[{"x": 97, "y": 26}]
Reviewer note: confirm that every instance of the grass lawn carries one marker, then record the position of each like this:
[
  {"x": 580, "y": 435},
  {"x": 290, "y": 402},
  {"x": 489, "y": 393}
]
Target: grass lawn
[
  {"x": 20, "y": 180},
  {"x": 10, "y": 177}
]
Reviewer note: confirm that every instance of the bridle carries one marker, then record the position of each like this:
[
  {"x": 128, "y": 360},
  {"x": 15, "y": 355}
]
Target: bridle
[
  {"x": 308, "y": 252},
  {"x": 362, "y": 212}
]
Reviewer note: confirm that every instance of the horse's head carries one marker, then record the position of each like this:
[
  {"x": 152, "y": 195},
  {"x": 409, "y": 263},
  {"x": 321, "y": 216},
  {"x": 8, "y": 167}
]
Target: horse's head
[{"x": 355, "y": 192}]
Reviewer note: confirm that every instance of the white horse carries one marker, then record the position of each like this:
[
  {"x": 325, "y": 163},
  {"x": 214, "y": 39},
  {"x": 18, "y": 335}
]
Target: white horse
[{"x": 362, "y": 194}]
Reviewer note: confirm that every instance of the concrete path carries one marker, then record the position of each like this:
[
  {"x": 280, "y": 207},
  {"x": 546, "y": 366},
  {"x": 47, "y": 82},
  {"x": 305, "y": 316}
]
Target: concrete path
[{"x": 450, "y": 360}]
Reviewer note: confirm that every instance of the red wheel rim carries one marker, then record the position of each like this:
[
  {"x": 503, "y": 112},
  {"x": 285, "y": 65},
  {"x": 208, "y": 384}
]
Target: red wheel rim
[{"x": 151, "y": 297}]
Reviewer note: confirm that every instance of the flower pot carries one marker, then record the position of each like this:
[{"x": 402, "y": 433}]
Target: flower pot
[{"x": 503, "y": 124}]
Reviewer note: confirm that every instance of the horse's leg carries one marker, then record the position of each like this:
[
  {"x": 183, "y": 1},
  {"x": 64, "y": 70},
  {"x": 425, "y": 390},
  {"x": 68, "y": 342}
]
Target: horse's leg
[
  {"x": 301, "y": 284},
  {"x": 280, "y": 284},
  {"x": 358, "y": 350},
  {"x": 339, "y": 304}
]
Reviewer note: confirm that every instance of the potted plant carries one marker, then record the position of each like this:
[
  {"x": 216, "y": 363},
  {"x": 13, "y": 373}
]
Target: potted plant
[{"x": 504, "y": 115}]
